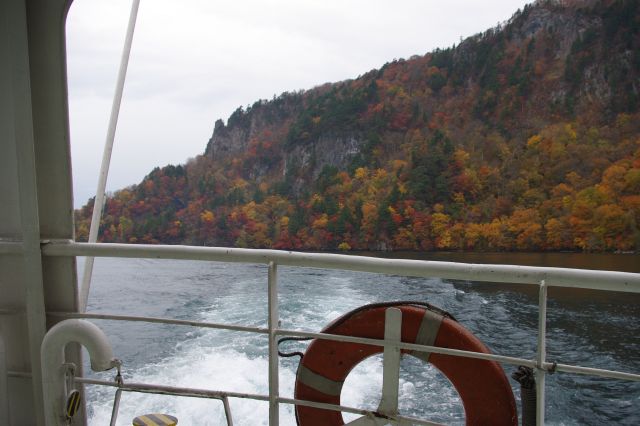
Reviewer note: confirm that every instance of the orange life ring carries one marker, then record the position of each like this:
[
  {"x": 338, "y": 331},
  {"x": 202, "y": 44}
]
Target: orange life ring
[{"x": 483, "y": 387}]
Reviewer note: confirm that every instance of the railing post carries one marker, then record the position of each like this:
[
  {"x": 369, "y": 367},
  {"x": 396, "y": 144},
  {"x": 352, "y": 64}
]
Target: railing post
[
  {"x": 541, "y": 356},
  {"x": 116, "y": 407},
  {"x": 391, "y": 362},
  {"x": 273, "y": 345},
  {"x": 227, "y": 411}
]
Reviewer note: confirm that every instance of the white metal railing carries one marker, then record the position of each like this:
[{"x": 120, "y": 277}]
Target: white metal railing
[
  {"x": 168, "y": 390},
  {"x": 540, "y": 276}
]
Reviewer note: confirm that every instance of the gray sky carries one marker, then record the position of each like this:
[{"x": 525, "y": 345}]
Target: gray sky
[{"x": 195, "y": 61}]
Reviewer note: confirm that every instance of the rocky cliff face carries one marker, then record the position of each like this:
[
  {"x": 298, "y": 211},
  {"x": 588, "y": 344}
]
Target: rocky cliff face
[
  {"x": 308, "y": 161},
  {"x": 303, "y": 162},
  {"x": 553, "y": 59}
]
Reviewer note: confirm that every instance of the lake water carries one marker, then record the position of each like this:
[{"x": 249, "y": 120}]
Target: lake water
[{"x": 587, "y": 328}]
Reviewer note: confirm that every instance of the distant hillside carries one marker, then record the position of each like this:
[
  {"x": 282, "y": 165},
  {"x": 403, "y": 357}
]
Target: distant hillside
[{"x": 524, "y": 137}]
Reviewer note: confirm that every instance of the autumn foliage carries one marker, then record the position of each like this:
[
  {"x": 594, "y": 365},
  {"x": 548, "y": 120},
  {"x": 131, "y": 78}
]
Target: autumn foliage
[{"x": 505, "y": 142}]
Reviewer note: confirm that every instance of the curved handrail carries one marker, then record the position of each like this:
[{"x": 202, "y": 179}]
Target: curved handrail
[{"x": 52, "y": 352}]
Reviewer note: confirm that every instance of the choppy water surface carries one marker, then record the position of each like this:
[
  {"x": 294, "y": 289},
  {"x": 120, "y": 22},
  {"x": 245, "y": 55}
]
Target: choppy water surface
[{"x": 586, "y": 328}]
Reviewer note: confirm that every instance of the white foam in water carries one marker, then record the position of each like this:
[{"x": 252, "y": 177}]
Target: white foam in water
[
  {"x": 229, "y": 361},
  {"x": 205, "y": 369},
  {"x": 309, "y": 299},
  {"x": 420, "y": 385},
  {"x": 363, "y": 387},
  {"x": 232, "y": 361},
  {"x": 237, "y": 362}
]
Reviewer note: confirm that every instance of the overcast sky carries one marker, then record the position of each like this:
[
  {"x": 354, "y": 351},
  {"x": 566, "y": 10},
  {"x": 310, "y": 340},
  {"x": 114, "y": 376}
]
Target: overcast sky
[{"x": 195, "y": 61}]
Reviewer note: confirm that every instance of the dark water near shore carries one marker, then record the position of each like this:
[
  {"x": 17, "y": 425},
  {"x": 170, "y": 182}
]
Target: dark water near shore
[{"x": 588, "y": 328}]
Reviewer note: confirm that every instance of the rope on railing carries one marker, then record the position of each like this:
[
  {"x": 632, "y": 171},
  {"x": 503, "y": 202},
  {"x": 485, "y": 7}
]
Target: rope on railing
[{"x": 526, "y": 378}]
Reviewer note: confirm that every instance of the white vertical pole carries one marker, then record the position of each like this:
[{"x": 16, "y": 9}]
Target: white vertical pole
[
  {"x": 391, "y": 362},
  {"x": 227, "y": 411},
  {"x": 274, "y": 415},
  {"x": 542, "y": 348},
  {"x": 106, "y": 156}
]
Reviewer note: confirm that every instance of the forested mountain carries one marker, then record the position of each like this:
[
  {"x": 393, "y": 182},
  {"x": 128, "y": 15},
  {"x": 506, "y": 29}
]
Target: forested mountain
[{"x": 524, "y": 137}]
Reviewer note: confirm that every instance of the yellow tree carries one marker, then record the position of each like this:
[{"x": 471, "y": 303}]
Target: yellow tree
[
  {"x": 526, "y": 227},
  {"x": 440, "y": 223}
]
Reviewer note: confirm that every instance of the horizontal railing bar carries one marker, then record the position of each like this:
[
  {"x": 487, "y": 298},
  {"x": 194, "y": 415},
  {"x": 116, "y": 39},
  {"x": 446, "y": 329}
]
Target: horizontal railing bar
[
  {"x": 212, "y": 394},
  {"x": 295, "y": 333},
  {"x": 515, "y": 274},
  {"x": 158, "y": 321},
  {"x": 205, "y": 393},
  {"x": 566, "y": 368},
  {"x": 548, "y": 366},
  {"x": 333, "y": 407},
  {"x": 411, "y": 346},
  {"x": 11, "y": 247},
  {"x": 172, "y": 390}
]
